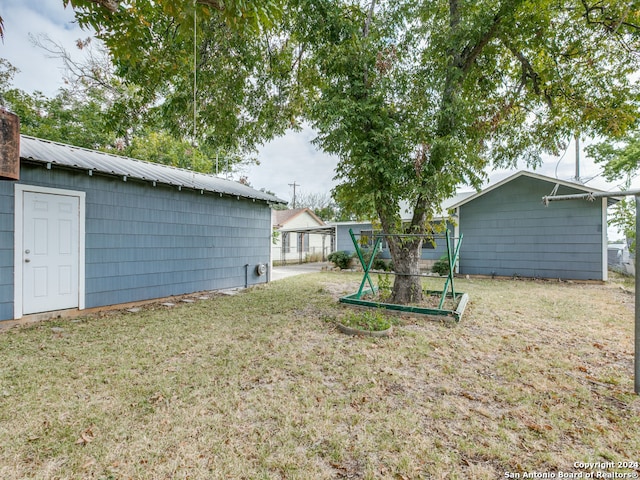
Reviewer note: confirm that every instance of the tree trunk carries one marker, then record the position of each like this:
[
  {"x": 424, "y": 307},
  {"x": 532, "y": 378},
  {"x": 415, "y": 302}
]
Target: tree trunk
[
  {"x": 405, "y": 250},
  {"x": 405, "y": 253}
]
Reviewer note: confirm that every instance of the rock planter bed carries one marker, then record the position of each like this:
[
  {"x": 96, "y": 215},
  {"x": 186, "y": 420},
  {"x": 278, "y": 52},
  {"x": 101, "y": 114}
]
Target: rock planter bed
[
  {"x": 456, "y": 304},
  {"x": 366, "y": 323}
]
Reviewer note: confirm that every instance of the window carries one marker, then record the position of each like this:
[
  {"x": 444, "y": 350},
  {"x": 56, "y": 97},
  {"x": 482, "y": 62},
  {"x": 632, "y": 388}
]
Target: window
[
  {"x": 428, "y": 243},
  {"x": 303, "y": 242},
  {"x": 366, "y": 238},
  {"x": 286, "y": 244}
]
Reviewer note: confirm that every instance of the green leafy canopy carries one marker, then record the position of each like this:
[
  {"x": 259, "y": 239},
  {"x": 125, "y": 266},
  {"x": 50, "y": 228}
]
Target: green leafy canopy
[
  {"x": 435, "y": 92},
  {"x": 151, "y": 44},
  {"x": 418, "y": 97},
  {"x": 414, "y": 97}
]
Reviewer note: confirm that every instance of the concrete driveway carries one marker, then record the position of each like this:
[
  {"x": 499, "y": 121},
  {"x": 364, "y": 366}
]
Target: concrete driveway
[{"x": 278, "y": 273}]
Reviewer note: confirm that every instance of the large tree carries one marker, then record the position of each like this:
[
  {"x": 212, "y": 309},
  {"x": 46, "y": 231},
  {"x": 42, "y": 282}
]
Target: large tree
[
  {"x": 414, "y": 97},
  {"x": 418, "y": 97}
]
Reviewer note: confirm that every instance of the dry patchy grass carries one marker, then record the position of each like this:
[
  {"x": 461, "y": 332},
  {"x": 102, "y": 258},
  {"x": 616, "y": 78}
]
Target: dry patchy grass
[{"x": 537, "y": 376}]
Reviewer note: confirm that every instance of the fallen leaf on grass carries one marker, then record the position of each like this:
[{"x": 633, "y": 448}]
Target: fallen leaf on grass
[
  {"x": 484, "y": 413},
  {"x": 86, "y": 437},
  {"x": 156, "y": 398},
  {"x": 538, "y": 428},
  {"x": 470, "y": 396}
]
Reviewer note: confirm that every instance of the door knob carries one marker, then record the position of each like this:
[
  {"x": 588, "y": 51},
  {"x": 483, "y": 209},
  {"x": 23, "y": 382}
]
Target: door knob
[{"x": 27, "y": 260}]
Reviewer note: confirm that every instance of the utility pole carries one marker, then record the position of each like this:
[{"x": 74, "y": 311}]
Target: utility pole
[
  {"x": 294, "y": 185},
  {"x": 577, "y": 158}
]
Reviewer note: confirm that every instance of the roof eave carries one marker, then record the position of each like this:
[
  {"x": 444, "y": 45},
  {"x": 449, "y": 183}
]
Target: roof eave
[
  {"x": 95, "y": 158},
  {"x": 518, "y": 174}
]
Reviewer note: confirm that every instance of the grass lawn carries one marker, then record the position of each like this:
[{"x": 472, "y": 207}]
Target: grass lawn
[{"x": 537, "y": 376}]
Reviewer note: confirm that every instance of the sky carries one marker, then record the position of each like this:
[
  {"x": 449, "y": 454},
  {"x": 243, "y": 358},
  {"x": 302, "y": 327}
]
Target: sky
[{"x": 284, "y": 161}]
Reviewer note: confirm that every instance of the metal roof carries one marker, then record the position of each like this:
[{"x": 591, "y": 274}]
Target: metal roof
[{"x": 55, "y": 153}]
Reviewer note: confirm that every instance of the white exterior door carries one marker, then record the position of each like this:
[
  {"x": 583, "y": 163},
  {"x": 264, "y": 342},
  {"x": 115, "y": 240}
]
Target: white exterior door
[{"x": 50, "y": 252}]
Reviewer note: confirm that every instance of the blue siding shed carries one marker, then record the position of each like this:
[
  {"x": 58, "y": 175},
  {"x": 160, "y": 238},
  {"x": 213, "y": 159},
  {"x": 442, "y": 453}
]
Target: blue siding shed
[
  {"x": 148, "y": 231},
  {"x": 509, "y": 232},
  {"x": 6, "y": 250}
]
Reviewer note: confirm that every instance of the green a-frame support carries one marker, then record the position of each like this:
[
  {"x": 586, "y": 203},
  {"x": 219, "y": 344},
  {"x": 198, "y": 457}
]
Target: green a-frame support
[{"x": 452, "y": 256}]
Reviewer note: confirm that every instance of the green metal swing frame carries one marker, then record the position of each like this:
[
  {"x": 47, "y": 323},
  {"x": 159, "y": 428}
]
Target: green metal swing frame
[{"x": 452, "y": 256}]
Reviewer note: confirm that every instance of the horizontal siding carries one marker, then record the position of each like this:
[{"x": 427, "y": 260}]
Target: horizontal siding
[
  {"x": 508, "y": 231},
  {"x": 157, "y": 241},
  {"x": 344, "y": 242},
  {"x": 144, "y": 242},
  {"x": 343, "y": 239},
  {"x": 6, "y": 249}
]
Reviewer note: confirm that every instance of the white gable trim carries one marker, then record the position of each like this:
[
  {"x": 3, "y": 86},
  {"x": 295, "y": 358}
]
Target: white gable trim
[{"x": 524, "y": 173}]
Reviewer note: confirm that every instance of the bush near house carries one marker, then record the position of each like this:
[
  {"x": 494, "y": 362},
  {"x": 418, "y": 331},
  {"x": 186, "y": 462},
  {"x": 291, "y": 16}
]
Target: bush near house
[
  {"x": 341, "y": 259},
  {"x": 441, "y": 267},
  {"x": 378, "y": 263}
]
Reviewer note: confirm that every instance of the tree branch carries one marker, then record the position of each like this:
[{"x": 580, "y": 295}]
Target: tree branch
[
  {"x": 367, "y": 22},
  {"x": 528, "y": 72},
  {"x": 365, "y": 34},
  {"x": 218, "y": 5},
  {"x": 111, "y": 5},
  {"x": 471, "y": 52},
  {"x": 610, "y": 23}
]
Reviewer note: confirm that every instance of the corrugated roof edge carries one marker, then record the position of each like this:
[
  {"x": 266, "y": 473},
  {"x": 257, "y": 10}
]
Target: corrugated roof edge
[{"x": 56, "y": 153}]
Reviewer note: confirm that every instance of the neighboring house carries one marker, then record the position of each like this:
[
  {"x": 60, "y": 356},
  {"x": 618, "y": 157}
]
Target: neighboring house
[
  {"x": 432, "y": 250},
  {"x": 85, "y": 229},
  {"x": 301, "y": 235},
  {"x": 508, "y": 231},
  {"x": 620, "y": 258},
  {"x": 364, "y": 234}
]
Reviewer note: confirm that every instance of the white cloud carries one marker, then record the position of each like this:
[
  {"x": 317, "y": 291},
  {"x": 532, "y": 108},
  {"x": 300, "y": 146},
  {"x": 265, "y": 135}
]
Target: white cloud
[
  {"x": 293, "y": 158},
  {"x": 37, "y": 17}
]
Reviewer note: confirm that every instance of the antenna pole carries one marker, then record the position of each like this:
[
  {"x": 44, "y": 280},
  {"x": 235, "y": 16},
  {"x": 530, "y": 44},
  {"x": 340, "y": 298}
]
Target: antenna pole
[
  {"x": 636, "y": 354},
  {"x": 195, "y": 67},
  {"x": 577, "y": 158},
  {"x": 636, "y": 194}
]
